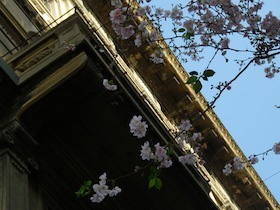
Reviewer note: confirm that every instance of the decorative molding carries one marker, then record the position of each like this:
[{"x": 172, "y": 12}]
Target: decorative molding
[
  {"x": 33, "y": 163},
  {"x": 7, "y": 135},
  {"x": 12, "y": 130},
  {"x": 53, "y": 80},
  {"x": 34, "y": 60}
]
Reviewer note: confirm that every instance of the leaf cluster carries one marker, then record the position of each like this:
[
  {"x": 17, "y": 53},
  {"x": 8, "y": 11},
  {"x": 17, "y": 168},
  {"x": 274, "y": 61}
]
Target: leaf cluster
[
  {"x": 85, "y": 189},
  {"x": 194, "y": 79},
  {"x": 154, "y": 180}
]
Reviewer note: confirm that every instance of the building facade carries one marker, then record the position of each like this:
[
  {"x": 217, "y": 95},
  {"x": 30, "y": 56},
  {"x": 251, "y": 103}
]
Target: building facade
[{"x": 59, "y": 126}]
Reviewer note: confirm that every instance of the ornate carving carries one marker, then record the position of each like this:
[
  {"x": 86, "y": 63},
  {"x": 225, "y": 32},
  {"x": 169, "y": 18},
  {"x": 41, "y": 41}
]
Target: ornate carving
[
  {"x": 12, "y": 130},
  {"x": 7, "y": 137},
  {"x": 34, "y": 60},
  {"x": 8, "y": 133},
  {"x": 33, "y": 163}
]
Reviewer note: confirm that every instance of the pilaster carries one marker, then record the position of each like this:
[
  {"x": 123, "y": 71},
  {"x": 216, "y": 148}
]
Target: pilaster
[{"x": 13, "y": 182}]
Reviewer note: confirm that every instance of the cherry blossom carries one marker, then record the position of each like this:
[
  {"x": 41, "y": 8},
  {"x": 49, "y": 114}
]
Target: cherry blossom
[
  {"x": 276, "y": 148},
  {"x": 196, "y": 136},
  {"x": 158, "y": 154},
  {"x": 101, "y": 190},
  {"x": 189, "y": 159},
  {"x": 117, "y": 16},
  {"x": 271, "y": 25},
  {"x": 146, "y": 151},
  {"x": 253, "y": 159},
  {"x": 157, "y": 57},
  {"x": 137, "y": 41},
  {"x": 185, "y": 125},
  {"x": 237, "y": 163},
  {"x": 138, "y": 127},
  {"x": 227, "y": 169},
  {"x": 109, "y": 86},
  {"x": 127, "y": 31}
]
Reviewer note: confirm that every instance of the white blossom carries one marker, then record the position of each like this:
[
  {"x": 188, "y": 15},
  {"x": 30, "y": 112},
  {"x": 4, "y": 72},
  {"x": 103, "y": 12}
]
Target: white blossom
[
  {"x": 137, "y": 127},
  {"x": 237, "y": 163},
  {"x": 115, "y": 191},
  {"x": 189, "y": 159},
  {"x": 101, "y": 190},
  {"x": 227, "y": 169},
  {"x": 95, "y": 198},
  {"x": 157, "y": 57},
  {"x": 137, "y": 41},
  {"x": 108, "y": 86},
  {"x": 196, "y": 136},
  {"x": 159, "y": 156},
  {"x": 146, "y": 151},
  {"x": 166, "y": 163},
  {"x": 185, "y": 125}
]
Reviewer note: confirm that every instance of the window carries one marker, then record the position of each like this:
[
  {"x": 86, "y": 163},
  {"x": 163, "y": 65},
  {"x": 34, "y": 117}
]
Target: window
[
  {"x": 53, "y": 11},
  {"x": 16, "y": 29}
]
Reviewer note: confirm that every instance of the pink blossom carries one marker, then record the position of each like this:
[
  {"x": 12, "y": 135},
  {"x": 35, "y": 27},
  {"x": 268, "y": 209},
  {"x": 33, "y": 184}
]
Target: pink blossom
[
  {"x": 153, "y": 35},
  {"x": 117, "y": 16},
  {"x": 138, "y": 127},
  {"x": 189, "y": 24},
  {"x": 160, "y": 152},
  {"x": 271, "y": 24},
  {"x": 127, "y": 32},
  {"x": 176, "y": 13},
  {"x": 224, "y": 43},
  {"x": 276, "y": 148},
  {"x": 142, "y": 25}
]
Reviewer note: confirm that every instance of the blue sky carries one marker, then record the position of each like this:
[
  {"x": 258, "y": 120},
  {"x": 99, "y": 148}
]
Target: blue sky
[{"x": 248, "y": 109}]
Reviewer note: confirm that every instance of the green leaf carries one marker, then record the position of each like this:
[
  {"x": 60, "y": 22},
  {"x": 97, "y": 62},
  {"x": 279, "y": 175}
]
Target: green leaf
[
  {"x": 192, "y": 79},
  {"x": 205, "y": 78},
  {"x": 152, "y": 183},
  {"x": 158, "y": 183},
  {"x": 89, "y": 183},
  {"x": 208, "y": 73},
  {"x": 170, "y": 152},
  {"x": 181, "y": 30},
  {"x": 197, "y": 86},
  {"x": 193, "y": 73},
  {"x": 188, "y": 35},
  {"x": 85, "y": 189}
]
